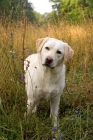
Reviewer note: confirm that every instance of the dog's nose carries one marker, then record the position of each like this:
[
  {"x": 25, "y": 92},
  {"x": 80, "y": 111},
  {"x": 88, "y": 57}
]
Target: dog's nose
[{"x": 49, "y": 59}]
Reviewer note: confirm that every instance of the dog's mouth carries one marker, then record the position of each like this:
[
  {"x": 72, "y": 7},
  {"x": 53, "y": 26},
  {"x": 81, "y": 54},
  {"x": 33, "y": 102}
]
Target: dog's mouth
[{"x": 47, "y": 65}]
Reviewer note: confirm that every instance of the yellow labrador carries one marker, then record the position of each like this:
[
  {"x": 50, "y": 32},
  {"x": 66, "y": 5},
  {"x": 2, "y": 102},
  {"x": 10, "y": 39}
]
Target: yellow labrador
[{"x": 45, "y": 74}]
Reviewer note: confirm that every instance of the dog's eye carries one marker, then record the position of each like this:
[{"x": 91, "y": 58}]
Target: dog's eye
[
  {"x": 59, "y": 52},
  {"x": 47, "y": 48}
]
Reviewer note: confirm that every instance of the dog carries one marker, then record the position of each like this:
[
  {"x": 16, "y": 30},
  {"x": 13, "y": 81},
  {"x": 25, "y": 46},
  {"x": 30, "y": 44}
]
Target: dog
[{"x": 45, "y": 74}]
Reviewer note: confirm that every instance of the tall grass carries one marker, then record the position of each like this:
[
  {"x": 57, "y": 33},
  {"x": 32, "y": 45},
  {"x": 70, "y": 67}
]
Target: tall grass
[{"x": 76, "y": 108}]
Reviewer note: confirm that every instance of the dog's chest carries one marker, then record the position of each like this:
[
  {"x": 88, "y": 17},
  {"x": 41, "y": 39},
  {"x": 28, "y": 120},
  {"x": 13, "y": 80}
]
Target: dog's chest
[
  {"x": 47, "y": 93},
  {"x": 47, "y": 87}
]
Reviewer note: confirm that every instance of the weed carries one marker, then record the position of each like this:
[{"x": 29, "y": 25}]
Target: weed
[{"x": 76, "y": 109}]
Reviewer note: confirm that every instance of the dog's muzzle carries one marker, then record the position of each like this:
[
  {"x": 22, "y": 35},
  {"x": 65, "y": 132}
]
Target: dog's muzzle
[{"x": 48, "y": 61}]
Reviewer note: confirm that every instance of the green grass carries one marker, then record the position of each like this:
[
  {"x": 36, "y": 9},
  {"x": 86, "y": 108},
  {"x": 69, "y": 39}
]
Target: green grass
[{"x": 77, "y": 95}]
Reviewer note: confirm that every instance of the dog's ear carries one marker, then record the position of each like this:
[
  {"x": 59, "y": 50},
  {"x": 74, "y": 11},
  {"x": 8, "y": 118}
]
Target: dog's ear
[
  {"x": 40, "y": 42},
  {"x": 68, "y": 53}
]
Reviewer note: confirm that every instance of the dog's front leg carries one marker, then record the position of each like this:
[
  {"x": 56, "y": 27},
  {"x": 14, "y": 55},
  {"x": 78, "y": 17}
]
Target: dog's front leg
[
  {"x": 30, "y": 106},
  {"x": 54, "y": 107}
]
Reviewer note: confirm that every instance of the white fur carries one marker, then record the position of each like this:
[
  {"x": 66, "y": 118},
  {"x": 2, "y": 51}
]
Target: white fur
[{"x": 43, "y": 81}]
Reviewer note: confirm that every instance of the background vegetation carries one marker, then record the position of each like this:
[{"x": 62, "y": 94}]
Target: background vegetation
[
  {"x": 72, "y": 10},
  {"x": 18, "y": 35}
]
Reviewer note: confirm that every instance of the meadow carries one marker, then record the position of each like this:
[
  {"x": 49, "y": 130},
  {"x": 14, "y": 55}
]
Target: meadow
[{"x": 17, "y": 41}]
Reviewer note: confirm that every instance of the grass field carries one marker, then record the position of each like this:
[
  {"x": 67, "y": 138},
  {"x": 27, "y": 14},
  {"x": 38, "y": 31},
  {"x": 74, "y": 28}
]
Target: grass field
[{"x": 17, "y": 41}]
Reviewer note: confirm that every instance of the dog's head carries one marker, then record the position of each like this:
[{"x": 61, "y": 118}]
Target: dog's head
[{"x": 53, "y": 52}]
